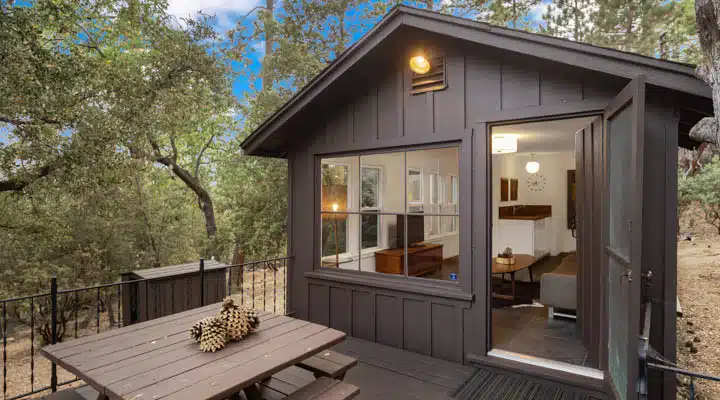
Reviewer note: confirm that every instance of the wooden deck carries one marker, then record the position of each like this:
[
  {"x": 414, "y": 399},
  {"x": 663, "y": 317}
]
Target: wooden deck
[{"x": 385, "y": 372}]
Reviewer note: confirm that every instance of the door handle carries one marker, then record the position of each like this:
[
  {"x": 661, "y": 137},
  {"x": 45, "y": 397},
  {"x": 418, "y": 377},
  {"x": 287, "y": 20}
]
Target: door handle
[{"x": 627, "y": 274}]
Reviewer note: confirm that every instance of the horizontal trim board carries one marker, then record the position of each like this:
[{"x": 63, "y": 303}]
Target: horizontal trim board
[
  {"x": 401, "y": 284},
  {"x": 548, "y": 364}
]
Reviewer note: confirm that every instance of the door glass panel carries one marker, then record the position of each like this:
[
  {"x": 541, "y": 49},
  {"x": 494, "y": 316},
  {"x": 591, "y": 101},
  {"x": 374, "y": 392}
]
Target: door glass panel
[
  {"x": 619, "y": 156},
  {"x": 618, "y": 332}
]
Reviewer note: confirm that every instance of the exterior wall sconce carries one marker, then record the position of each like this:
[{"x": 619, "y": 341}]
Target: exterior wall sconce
[{"x": 419, "y": 64}]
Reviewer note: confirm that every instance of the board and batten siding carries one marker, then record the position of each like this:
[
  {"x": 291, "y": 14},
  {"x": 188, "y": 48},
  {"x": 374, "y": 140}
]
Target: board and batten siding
[{"x": 484, "y": 85}]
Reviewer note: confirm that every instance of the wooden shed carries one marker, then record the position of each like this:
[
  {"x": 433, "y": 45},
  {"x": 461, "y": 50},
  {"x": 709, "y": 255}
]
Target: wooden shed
[
  {"x": 396, "y": 155},
  {"x": 171, "y": 289}
]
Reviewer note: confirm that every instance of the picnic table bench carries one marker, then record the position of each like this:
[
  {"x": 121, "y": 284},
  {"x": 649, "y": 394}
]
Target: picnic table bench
[{"x": 157, "y": 359}]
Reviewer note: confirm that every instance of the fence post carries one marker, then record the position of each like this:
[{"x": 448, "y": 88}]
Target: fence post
[
  {"x": 53, "y": 329},
  {"x": 202, "y": 282}
]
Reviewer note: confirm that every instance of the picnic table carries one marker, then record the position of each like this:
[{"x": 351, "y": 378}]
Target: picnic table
[{"x": 157, "y": 359}]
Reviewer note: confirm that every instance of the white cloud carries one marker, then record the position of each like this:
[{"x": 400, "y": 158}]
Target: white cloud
[
  {"x": 184, "y": 8},
  {"x": 259, "y": 47}
]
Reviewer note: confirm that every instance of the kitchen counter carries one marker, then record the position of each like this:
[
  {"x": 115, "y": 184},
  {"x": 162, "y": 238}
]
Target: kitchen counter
[
  {"x": 525, "y": 212},
  {"x": 526, "y": 217}
]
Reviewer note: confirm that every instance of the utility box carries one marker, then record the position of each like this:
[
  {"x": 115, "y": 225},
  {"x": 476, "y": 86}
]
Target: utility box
[{"x": 171, "y": 289}]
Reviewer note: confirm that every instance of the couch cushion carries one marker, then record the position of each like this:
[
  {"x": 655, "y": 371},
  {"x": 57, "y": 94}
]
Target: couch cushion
[{"x": 568, "y": 265}]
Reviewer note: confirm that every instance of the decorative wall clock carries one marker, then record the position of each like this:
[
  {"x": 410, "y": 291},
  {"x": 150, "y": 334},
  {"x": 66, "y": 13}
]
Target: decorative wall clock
[{"x": 536, "y": 182}]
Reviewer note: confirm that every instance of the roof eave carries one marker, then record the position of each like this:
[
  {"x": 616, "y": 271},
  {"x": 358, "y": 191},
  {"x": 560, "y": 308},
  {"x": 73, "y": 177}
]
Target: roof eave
[{"x": 661, "y": 73}]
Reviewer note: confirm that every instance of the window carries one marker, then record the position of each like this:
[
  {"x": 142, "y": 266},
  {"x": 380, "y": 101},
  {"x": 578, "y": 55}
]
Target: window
[
  {"x": 374, "y": 210},
  {"x": 335, "y": 180},
  {"x": 415, "y": 187},
  {"x": 370, "y": 203},
  {"x": 454, "y": 200}
]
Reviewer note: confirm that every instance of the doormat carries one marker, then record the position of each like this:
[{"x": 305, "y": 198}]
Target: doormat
[{"x": 484, "y": 384}]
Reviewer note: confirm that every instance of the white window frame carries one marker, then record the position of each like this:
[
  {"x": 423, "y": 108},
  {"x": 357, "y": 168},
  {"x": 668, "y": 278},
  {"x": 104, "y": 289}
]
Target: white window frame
[
  {"x": 421, "y": 201},
  {"x": 350, "y": 245}
]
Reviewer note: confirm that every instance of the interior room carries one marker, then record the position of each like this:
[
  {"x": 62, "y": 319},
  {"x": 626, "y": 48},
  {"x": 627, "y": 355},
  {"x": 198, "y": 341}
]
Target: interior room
[
  {"x": 534, "y": 268},
  {"x": 392, "y": 213}
]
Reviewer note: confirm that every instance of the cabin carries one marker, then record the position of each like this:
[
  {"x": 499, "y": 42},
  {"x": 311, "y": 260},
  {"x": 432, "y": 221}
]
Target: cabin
[{"x": 491, "y": 197}]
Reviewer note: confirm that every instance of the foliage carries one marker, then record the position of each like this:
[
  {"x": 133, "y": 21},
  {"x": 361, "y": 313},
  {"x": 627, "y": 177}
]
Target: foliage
[{"x": 703, "y": 189}]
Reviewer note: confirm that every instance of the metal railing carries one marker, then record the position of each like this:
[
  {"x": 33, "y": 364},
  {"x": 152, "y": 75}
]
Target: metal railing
[
  {"x": 58, "y": 315},
  {"x": 653, "y": 359}
]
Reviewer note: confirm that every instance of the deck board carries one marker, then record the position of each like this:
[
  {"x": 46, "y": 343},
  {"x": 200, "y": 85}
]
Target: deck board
[{"x": 390, "y": 373}]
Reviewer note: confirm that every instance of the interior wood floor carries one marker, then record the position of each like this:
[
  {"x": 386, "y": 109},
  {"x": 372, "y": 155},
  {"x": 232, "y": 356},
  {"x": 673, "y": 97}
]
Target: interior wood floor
[
  {"x": 450, "y": 265},
  {"x": 527, "y": 330}
]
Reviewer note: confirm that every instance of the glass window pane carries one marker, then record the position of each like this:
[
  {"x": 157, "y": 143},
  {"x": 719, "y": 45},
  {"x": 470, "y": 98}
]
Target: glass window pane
[
  {"x": 437, "y": 256},
  {"x": 370, "y": 189},
  {"x": 427, "y": 178},
  {"x": 387, "y": 256},
  {"x": 339, "y": 184},
  {"x": 339, "y": 238},
  {"x": 370, "y": 230}
]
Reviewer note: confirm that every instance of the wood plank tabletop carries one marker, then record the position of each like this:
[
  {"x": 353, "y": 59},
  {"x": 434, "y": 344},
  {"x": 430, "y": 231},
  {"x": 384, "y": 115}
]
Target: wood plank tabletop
[{"x": 158, "y": 360}]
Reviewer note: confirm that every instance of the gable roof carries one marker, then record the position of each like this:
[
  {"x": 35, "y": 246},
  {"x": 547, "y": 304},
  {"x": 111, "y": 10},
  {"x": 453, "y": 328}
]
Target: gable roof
[{"x": 662, "y": 73}]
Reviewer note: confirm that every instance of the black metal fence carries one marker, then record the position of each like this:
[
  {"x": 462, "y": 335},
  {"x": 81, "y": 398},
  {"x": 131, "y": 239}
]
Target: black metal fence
[{"x": 29, "y": 322}]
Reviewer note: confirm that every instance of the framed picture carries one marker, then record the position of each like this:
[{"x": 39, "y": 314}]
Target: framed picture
[
  {"x": 504, "y": 189},
  {"x": 514, "y": 189}
]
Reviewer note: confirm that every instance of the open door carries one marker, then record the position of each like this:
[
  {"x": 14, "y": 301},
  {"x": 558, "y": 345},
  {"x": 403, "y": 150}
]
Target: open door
[
  {"x": 622, "y": 233},
  {"x": 588, "y": 211}
]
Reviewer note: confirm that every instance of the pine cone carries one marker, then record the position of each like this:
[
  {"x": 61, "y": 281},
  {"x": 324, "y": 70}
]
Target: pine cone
[
  {"x": 253, "y": 318},
  {"x": 235, "y": 319},
  {"x": 214, "y": 334},
  {"x": 196, "y": 331}
]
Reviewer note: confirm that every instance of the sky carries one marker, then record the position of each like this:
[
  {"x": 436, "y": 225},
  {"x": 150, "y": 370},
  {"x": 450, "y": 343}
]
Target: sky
[{"x": 227, "y": 12}]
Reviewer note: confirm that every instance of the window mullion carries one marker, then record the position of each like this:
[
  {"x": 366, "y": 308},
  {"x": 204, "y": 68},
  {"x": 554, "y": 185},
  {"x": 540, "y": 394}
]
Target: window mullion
[{"x": 405, "y": 222}]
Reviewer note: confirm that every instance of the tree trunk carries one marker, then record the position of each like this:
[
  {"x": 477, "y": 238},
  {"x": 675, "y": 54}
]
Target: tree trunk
[
  {"x": 204, "y": 199},
  {"x": 706, "y": 16}
]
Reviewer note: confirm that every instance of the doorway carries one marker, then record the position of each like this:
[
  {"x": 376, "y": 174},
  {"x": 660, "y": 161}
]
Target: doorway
[{"x": 546, "y": 297}]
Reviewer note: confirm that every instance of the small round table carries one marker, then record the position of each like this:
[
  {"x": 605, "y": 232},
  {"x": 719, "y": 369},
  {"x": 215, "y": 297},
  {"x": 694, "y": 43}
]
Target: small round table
[{"x": 522, "y": 261}]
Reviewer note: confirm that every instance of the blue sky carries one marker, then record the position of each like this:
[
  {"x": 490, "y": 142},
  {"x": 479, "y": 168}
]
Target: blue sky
[{"x": 227, "y": 13}]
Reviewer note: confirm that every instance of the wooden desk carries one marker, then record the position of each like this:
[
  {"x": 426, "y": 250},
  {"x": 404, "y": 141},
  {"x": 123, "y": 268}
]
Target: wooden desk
[
  {"x": 422, "y": 259},
  {"x": 158, "y": 360}
]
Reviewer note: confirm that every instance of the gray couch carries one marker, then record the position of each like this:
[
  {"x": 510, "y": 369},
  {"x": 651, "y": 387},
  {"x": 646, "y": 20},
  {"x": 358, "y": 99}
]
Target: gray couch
[{"x": 558, "y": 289}]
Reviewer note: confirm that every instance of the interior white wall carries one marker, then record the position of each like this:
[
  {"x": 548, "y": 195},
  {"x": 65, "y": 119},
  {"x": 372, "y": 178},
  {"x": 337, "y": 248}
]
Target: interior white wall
[
  {"x": 442, "y": 161},
  {"x": 554, "y": 167}
]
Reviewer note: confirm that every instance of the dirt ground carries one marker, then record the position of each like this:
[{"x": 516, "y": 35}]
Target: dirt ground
[{"x": 699, "y": 328}]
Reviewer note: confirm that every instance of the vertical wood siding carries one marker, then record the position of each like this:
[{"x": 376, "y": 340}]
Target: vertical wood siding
[{"x": 482, "y": 84}]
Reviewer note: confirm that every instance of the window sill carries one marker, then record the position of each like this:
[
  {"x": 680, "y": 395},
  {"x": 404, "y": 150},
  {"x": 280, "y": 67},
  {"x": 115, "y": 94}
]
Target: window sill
[{"x": 433, "y": 287}]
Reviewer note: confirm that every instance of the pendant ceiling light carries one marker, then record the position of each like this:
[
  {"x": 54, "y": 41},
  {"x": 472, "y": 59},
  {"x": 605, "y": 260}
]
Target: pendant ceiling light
[{"x": 532, "y": 166}]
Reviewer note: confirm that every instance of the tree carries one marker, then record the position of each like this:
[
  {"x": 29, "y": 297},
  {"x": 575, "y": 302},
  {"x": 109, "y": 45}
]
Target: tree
[
  {"x": 570, "y": 19},
  {"x": 632, "y": 25},
  {"x": 81, "y": 77},
  {"x": 704, "y": 189},
  {"x": 513, "y": 13},
  {"x": 708, "y": 24}
]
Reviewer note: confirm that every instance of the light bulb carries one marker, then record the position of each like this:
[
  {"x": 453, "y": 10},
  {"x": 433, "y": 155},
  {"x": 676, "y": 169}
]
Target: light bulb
[
  {"x": 335, "y": 207},
  {"x": 419, "y": 64},
  {"x": 532, "y": 167}
]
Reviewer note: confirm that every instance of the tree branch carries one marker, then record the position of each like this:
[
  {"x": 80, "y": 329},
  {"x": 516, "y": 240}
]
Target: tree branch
[
  {"x": 199, "y": 157},
  {"x": 18, "y": 185}
]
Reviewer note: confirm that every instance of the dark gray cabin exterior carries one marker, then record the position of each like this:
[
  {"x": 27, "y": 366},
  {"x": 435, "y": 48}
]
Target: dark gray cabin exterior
[{"x": 362, "y": 103}]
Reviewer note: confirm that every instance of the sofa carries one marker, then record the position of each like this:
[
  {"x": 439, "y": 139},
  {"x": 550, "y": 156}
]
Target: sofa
[{"x": 558, "y": 289}]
